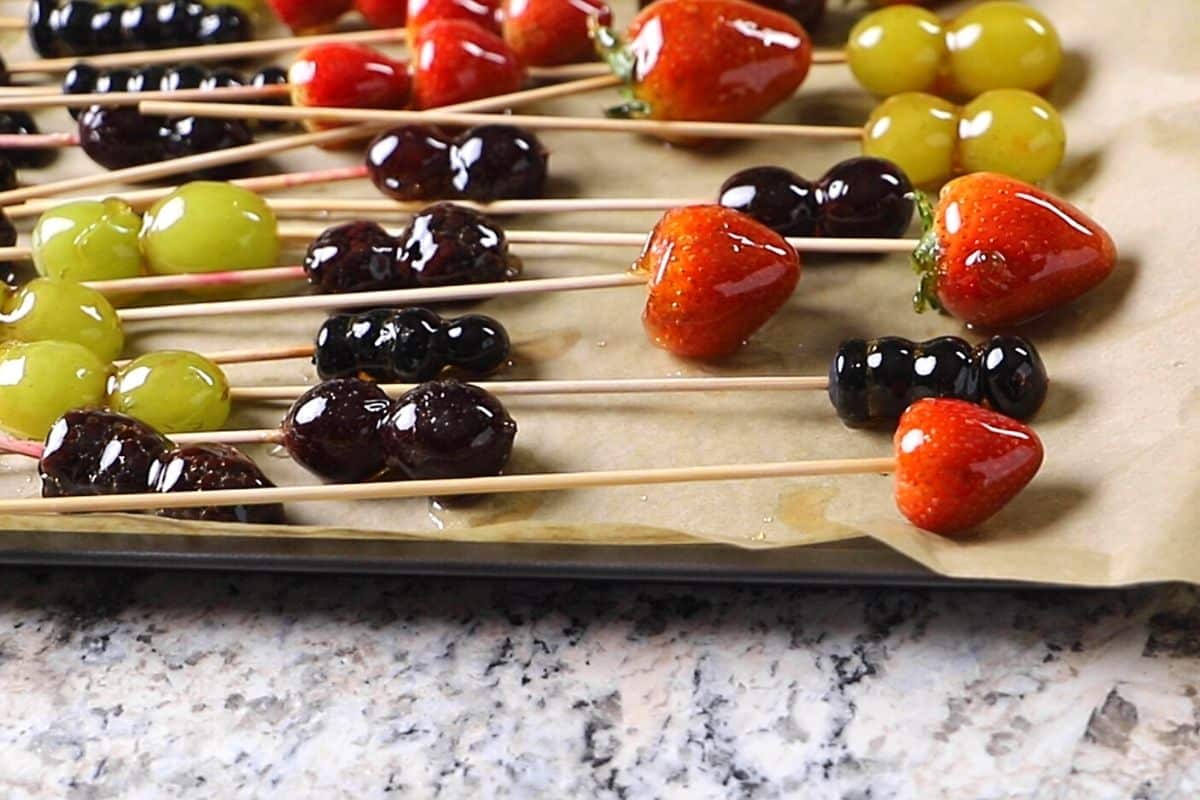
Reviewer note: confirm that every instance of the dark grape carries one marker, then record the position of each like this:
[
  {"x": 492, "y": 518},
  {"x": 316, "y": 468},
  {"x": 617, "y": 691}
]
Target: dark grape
[
  {"x": 447, "y": 429},
  {"x": 42, "y": 34},
  {"x": 848, "y": 383},
  {"x": 148, "y": 79},
  {"x": 353, "y": 257},
  {"x": 8, "y": 231},
  {"x": 889, "y": 376},
  {"x": 72, "y": 24},
  {"x": 1013, "y": 375},
  {"x": 944, "y": 367},
  {"x": 418, "y": 350},
  {"x": 94, "y": 452},
  {"x": 221, "y": 78},
  {"x": 119, "y": 137},
  {"x": 865, "y": 197},
  {"x": 107, "y": 34},
  {"x": 449, "y": 245},
  {"x": 8, "y": 180},
  {"x": 32, "y": 157},
  {"x": 189, "y": 136},
  {"x": 411, "y": 162},
  {"x": 495, "y": 161},
  {"x": 223, "y": 25},
  {"x": 176, "y": 23},
  {"x": 476, "y": 343},
  {"x": 383, "y": 344},
  {"x": 334, "y": 355},
  {"x": 80, "y": 79},
  {"x": 113, "y": 80},
  {"x": 270, "y": 76},
  {"x": 370, "y": 337},
  {"x": 209, "y": 468},
  {"x": 333, "y": 430},
  {"x": 140, "y": 26},
  {"x": 776, "y": 197},
  {"x": 185, "y": 76}
]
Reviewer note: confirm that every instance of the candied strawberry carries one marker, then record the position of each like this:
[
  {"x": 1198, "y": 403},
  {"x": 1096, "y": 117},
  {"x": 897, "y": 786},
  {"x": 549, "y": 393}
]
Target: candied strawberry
[
  {"x": 484, "y": 13},
  {"x": 455, "y": 61},
  {"x": 383, "y": 13},
  {"x": 716, "y": 275},
  {"x": 348, "y": 76},
  {"x": 548, "y": 32},
  {"x": 999, "y": 252},
  {"x": 958, "y": 463},
  {"x": 717, "y": 60},
  {"x": 307, "y": 15}
]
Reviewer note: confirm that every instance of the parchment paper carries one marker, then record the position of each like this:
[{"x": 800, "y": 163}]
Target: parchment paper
[{"x": 1118, "y": 500}]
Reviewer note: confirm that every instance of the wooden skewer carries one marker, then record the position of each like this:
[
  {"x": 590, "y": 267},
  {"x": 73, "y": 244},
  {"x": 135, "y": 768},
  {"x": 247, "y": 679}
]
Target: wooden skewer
[
  {"x": 281, "y": 144},
  {"x": 58, "y": 99},
  {"x": 145, "y": 198},
  {"x": 504, "y": 484},
  {"x": 396, "y": 297},
  {"x": 705, "y": 130},
  {"x": 13, "y": 24},
  {"x": 37, "y": 141}
]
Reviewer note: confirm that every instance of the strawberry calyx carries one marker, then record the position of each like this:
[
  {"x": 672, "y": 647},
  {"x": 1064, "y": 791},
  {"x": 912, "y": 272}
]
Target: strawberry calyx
[
  {"x": 613, "y": 52},
  {"x": 925, "y": 257}
]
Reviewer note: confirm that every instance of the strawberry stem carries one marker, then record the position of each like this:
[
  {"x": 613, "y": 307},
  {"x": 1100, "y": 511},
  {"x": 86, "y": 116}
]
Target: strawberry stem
[
  {"x": 621, "y": 61},
  {"x": 925, "y": 257}
]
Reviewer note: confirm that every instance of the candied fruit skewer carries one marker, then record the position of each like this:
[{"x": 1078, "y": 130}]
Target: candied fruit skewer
[
  {"x": 955, "y": 465},
  {"x": 57, "y": 99}
]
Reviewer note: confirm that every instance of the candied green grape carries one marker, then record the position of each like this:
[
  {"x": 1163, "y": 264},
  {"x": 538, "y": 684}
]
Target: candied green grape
[
  {"x": 897, "y": 49},
  {"x": 916, "y": 132},
  {"x": 1001, "y": 45},
  {"x": 1013, "y": 132},
  {"x": 41, "y": 381},
  {"x": 208, "y": 226},
  {"x": 88, "y": 240},
  {"x": 174, "y": 391},
  {"x": 53, "y": 309}
]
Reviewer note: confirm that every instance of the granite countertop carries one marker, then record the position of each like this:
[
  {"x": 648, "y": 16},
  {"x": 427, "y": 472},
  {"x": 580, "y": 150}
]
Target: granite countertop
[{"x": 118, "y": 684}]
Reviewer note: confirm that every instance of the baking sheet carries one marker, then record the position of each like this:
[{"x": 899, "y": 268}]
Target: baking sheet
[{"x": 1115, "y": 503}]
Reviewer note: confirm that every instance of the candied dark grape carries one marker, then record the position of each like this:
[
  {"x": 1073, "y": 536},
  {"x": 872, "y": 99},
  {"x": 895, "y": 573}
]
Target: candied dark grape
[
  {"x": 72, "y": 23},
  {"x": 107, "y": 34},
  {"x": 221, "y": 78},
  {"x": 8, "y": 231},
  {"x": 889, "y": 376},
  {"x": 333, "y": 430},
  {"x": 411, "y": 162},
  {"x": 334, "y": 355},
  {"x": 113, "y": 80},
  {"x": 42, "y": 34},
  {"x": 32, "y": 157},
  {"x": 1014, "y": 378},
  {"x": 355, "y": 256},
  {"x": 148, "y": 79},
  {"x": 370, "y": 336},
  {"x": 91, "y": 452},
  {"x": 776, "y": 197},
  {"x": 223, "y": 25},
  {"x": 476, "y": 343},
  {"x": 494, "y": 162},
  {"x": 848, "y": 383},
  {"x": 865, "y": 197},
  {"x": 176, "y": 24},
  {"x": 807, "y": 12},
  {"x": 447, "y": 429},
  {"x": 210, "y": 468},
  {"x": 185, "y": 76},
  {"x": 116, "y": 138},
  {"x": 189, "y": 136},
  {"x": 8, "y": 180},
  {"x": 449, "y": 245},
  {"x": 270, "y": 76},
  {"x": 944, "y": 367},
  {"x": 139, "y": 24},
  {"x": 418, "y": 351},
  {"x": 80, "y": 79},
  {"x": 383, "y": 344}
]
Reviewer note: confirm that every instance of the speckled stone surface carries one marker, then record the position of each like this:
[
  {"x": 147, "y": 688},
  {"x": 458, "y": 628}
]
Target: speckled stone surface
[{"x": 131, "y": 684}]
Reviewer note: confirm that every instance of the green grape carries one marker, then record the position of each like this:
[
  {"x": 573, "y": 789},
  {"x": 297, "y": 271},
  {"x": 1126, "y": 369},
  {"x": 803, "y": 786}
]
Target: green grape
[
  {"x": 206, "y": 226},
  {"x": 88, "y": 240},
  {"x": 41, "y": 381},
  {"x": 53, "y": 309},
  {"x": 916, "y": 132},
  {"x": 174, "y": 391},
  {"x": 897, "y": 49},
  {"x": 1013, "y": 132},
  {"x": 1001, "y": 45}
]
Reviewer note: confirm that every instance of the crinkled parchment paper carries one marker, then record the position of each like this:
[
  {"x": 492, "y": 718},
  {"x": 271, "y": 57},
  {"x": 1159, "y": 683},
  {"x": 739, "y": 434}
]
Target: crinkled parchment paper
[{"x": 1119, "y": 498}]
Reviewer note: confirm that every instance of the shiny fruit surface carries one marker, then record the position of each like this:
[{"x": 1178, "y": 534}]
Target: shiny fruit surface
[
  {"x": 54, "y": 309},
  {"x": 41, "y": 381},
  {"x": 207, "y": 226},
  {"x": 173, "y": 391},
  {"x": 897, "y": 49},
  {"x": 1013, "y": 132},
  {"x": 1001, "y": 45},
  {"x": 917, "y": 132},
  {"x": 88, "y": 240}
]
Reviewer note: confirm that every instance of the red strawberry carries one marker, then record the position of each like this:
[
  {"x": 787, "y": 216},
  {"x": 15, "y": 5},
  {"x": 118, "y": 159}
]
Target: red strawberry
[
  {"x": 484, "y": 13},
  {"x": 455, "y": 61},
  {"x": 999, "y": 252},
  {"x": 716, "y": 275},
  {"x": 383, "y": 13},
  {"x": 958, "y": 463},
  {"x": 347, "y": 76},
  {"x": 548, "y": 32},
  {"x": 307, "y": 15},
  {"x": 719, "y": 60}
]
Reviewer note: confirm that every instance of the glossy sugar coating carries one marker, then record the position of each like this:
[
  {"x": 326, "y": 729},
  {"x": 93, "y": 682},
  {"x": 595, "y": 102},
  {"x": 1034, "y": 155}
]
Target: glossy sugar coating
[
  {"x": 447, "y": 245},
  {"x": 917, "y": 132},
  {"x": 777, "y": 197},
  {"x": 56, "y": 309},
  {"x": 456, "y": 61},
  {"x": 1001, "y": 45},
  {"x": 333, "y": 430},
  {"x": 174, "y": 391},
  {"x": 88, "y": 240},
  {"x": 959, "y": 463},
  {"x": 353, "y": 257},
  {"x": 550, "y": 32},
  {"x": 208, "y": 226},
  {"x": 864, "y": 197},
  {"x": 345, "y": 75},
  {"x": 1013, "y": 132},
  {"x": 116, "y": 137},
  {"x": 475, "y": 343},
  {"x": 208, "y": 468},
  {"x": 93, "y": 452},
  {"x": 41, "y": 381},
  {"x": 897, "y": 49}
]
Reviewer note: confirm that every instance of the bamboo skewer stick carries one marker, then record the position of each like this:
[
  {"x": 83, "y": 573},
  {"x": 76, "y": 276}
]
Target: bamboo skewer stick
[
  {"x": 60, "y": 100},
  {"x": 37, "y": 141},
  {"x": 282, "y": 144},
  {"x": 707, "y": 130},
  {"x": 503, "y": 484},
  {"x": 13, "y": 24}
]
